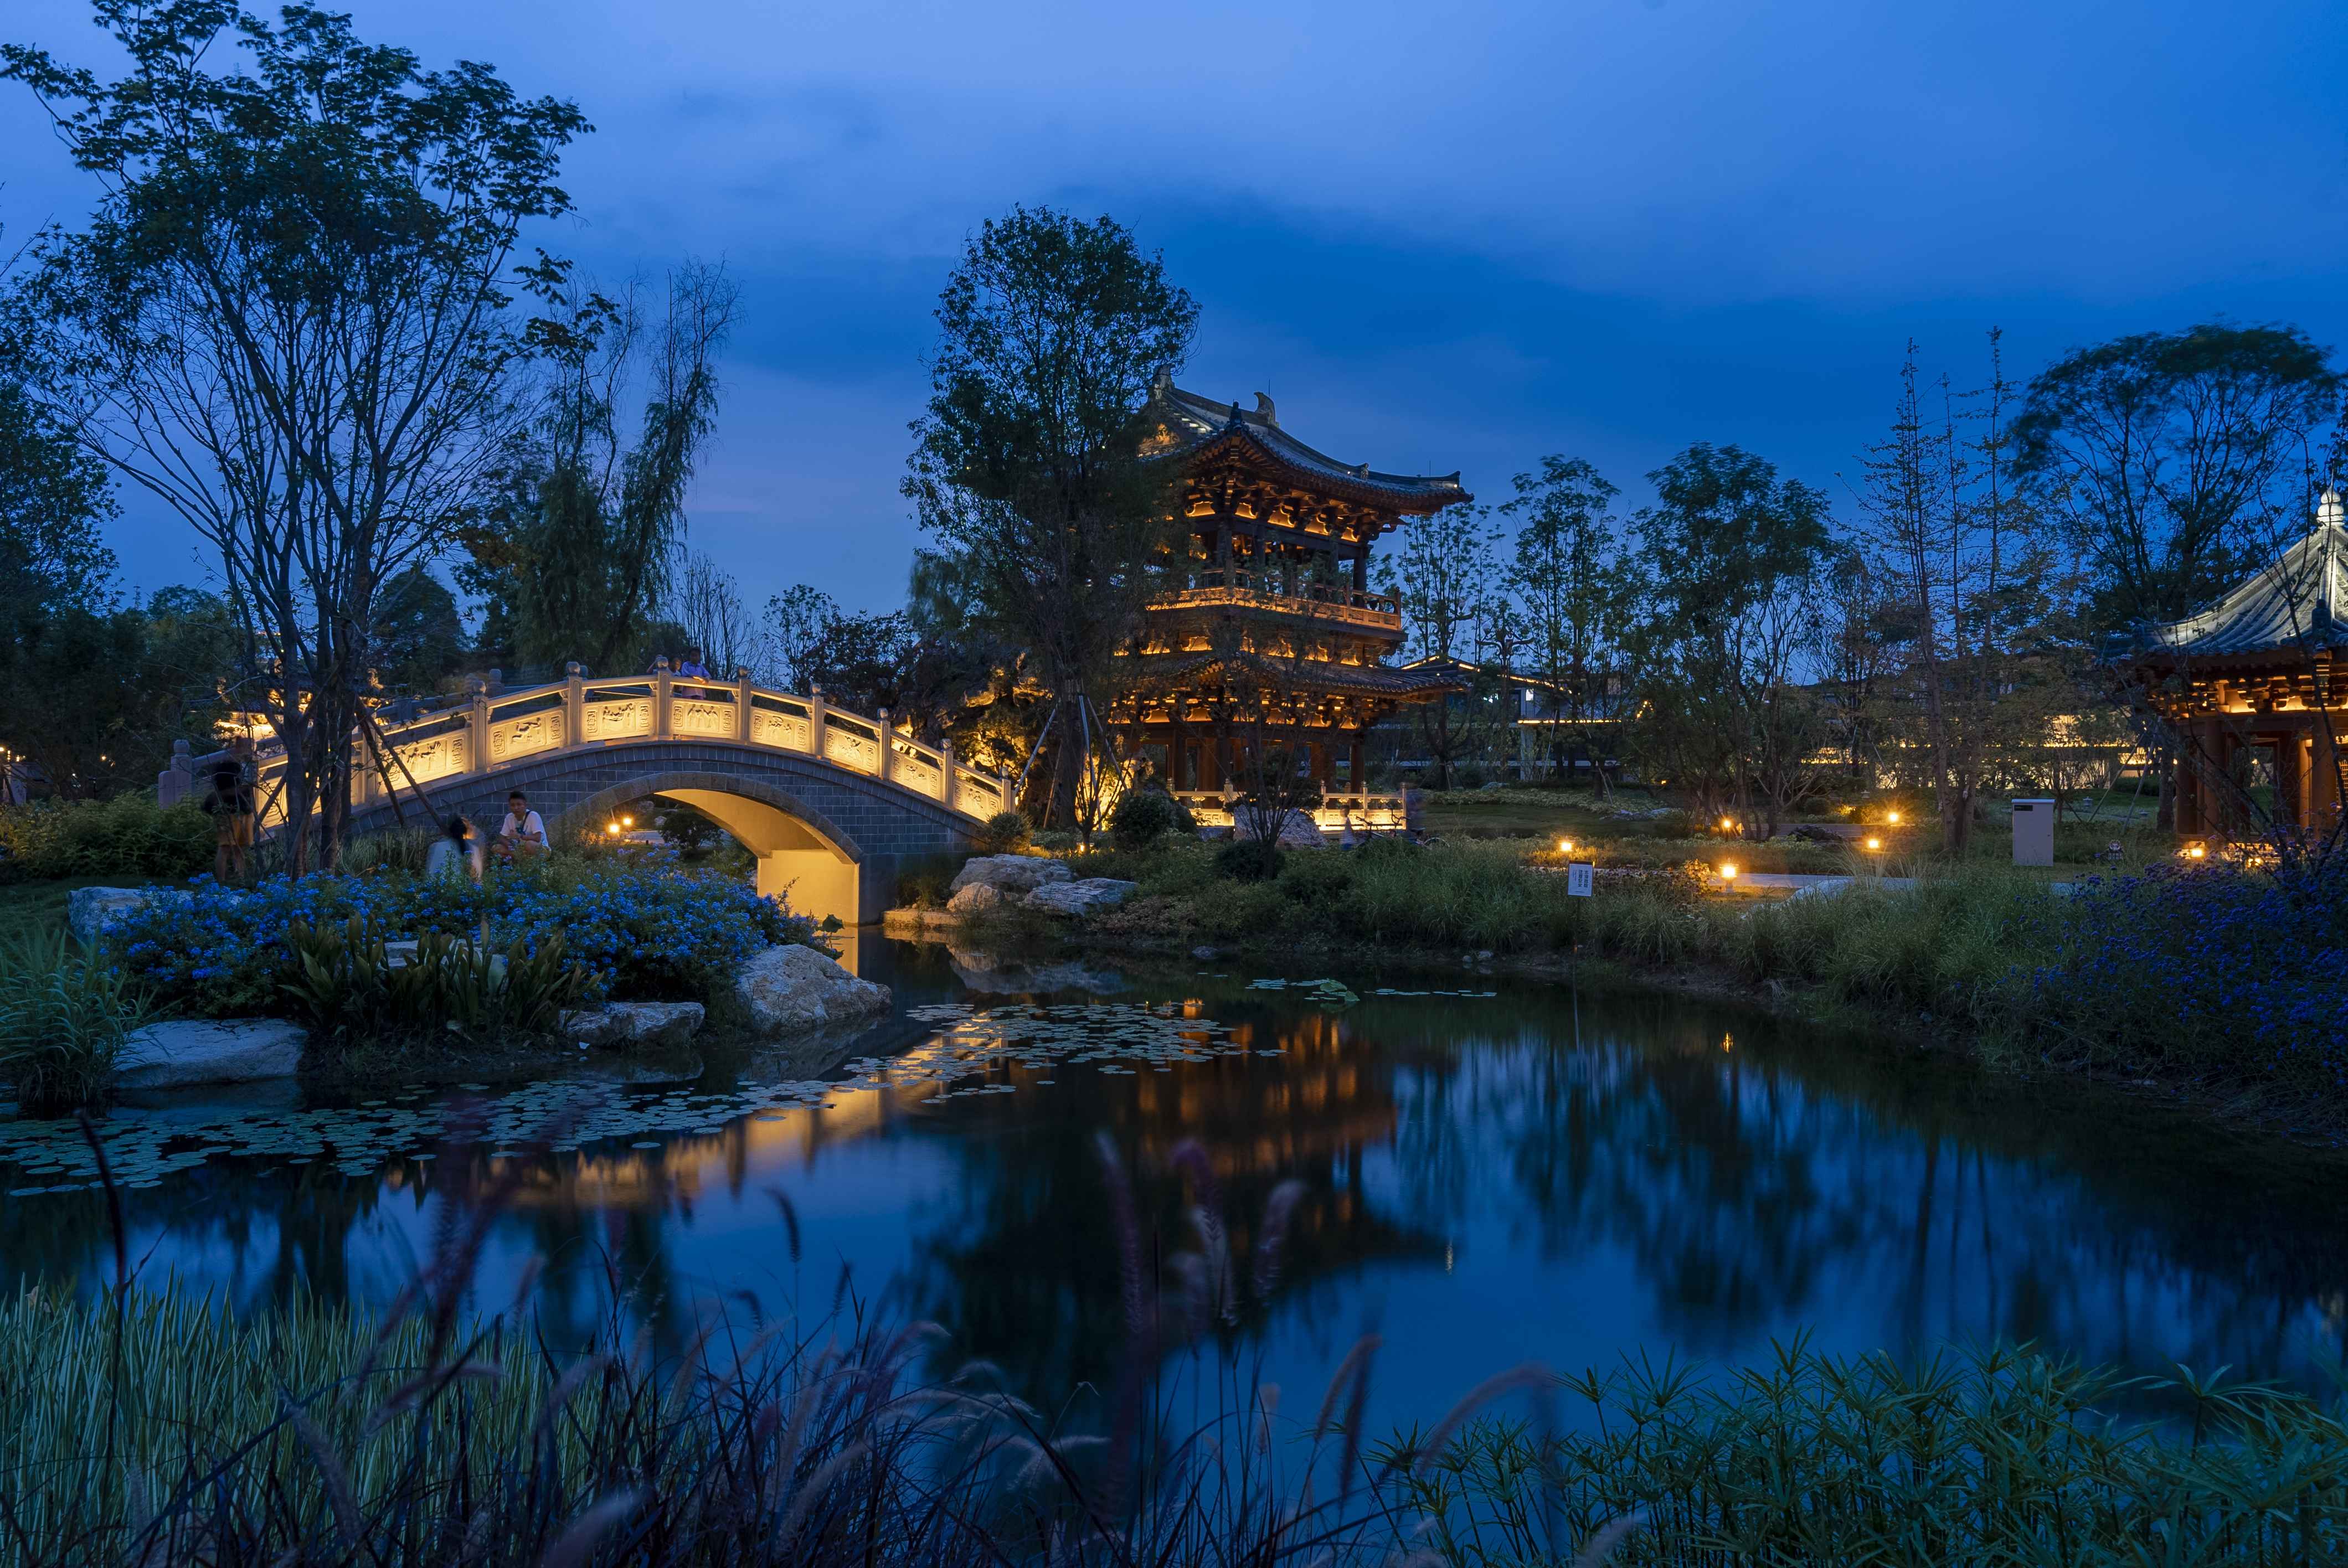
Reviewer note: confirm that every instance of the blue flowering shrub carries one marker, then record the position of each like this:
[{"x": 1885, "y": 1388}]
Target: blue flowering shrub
[
  {"x": 2199, "y": 972},
  {"x": 643, "y": 933}
]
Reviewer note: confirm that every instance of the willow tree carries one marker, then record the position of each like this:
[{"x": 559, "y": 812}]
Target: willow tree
[
  {"x": 1029, "y": 465},
  {"x": 578, "y": 549},
  {"x": 289, "y": 318}
]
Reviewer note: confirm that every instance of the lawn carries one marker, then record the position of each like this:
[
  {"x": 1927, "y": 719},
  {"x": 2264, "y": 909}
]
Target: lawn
[{"x": 40, "y": 907}]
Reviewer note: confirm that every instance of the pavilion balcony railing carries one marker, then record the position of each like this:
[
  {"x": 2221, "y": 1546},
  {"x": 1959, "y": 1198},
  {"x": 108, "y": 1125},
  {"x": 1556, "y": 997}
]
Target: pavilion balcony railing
[
  {"x": 499, "y": 726},
  {"x": 1238, "y": 586}
]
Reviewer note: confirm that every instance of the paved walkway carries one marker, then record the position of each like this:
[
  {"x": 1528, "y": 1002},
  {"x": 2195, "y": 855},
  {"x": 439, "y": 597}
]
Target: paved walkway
[{"x": 1789, "y": 884}]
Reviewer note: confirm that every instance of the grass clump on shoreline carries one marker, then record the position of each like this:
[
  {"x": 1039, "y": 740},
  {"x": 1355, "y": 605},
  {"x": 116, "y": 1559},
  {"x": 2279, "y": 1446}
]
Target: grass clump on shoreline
[{"x": 2224, "y": 977}]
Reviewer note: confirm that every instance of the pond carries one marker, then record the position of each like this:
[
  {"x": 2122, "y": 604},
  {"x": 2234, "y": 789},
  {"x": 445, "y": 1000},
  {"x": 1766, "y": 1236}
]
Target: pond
[{"x": 1482, "y": 1172}]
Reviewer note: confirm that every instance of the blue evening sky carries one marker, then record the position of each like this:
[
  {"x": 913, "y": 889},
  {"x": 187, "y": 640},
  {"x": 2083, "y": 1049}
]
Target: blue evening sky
[{"x": 1441, "y": 235}]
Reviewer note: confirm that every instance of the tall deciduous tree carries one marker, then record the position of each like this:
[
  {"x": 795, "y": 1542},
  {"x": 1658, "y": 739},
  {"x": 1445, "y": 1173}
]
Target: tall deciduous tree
[
  {"x": 1731, "y": 624},
  {"x": 1573, "y": 592},
  {"x": 1027, "y": 465},
  {"x": 2170, "y": 456},
  {"x": 289, "y": 318},
  {"x": 578, "y": 546},
  {"x": 1444, "y": 572}
]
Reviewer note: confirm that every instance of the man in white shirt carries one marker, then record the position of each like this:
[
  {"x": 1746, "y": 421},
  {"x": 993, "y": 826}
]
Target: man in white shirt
[{"x": 522, "y": 833}]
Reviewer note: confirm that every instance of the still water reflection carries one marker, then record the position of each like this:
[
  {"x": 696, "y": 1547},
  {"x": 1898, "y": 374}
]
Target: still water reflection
[{"x": 1483, "y": 1180}]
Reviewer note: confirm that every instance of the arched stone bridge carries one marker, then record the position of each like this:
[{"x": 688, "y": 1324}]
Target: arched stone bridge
[{"x": 831, "y": 803}]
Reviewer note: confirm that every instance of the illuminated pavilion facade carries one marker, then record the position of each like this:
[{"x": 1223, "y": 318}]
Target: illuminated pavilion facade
[
  {"x": 2261, "y": 677},
  {"x": 1274, "y": 637}
]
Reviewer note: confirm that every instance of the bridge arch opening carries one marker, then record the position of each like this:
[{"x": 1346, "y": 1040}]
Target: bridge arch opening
[{"x": 803, "y": 857}]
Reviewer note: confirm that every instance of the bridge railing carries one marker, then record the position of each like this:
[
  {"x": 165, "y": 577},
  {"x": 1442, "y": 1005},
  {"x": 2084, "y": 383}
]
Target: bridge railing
[{"x": 494, "y": 730}]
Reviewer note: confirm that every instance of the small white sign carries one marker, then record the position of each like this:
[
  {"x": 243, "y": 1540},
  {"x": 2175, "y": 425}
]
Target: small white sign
[{"x": 1581, "y": 880}]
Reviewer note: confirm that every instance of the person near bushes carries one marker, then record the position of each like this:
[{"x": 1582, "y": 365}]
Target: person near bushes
[
  {"x": 522, "y": 833},
  {"x": 229, "y": 803},
  {"x": 456, "y": 852}
]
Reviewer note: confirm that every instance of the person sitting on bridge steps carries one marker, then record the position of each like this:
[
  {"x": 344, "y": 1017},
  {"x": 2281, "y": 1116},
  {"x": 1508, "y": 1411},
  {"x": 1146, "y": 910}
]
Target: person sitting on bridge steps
[
  {"x": 522, "y": 833},
  {"x": 229, "y": 804},
  {"x": 456, "y": 852}
]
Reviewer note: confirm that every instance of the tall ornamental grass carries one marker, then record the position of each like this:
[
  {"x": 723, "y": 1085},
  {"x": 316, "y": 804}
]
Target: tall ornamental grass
[
  {"x": 66, "y": 1017},
  {"x": 1995, "y": 1457}
]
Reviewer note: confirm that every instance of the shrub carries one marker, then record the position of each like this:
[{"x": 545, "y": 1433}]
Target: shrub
[
  {"x": 1055, "y": 841},
  {"x": 65, "y": 1016},
  {"x": 1142, "y": 817},
  {"x": 1005, "y": 833},
  {"x": 1249, "y": 860},
  {"x": 1673, "y": 824},
  {"x": 128, "y": 836},
  {"x": 402, "y": 849},
  {"x": 641, "y": 932}
]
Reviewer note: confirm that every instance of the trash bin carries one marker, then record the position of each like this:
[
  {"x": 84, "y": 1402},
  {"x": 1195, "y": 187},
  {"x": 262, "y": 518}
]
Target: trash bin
[{"x": 2034, "y": 833}]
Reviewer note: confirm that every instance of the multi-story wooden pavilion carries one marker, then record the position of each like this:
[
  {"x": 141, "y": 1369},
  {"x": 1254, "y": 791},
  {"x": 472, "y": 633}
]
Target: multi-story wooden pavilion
[
  {"x": 1273, "y": 639},
  {"x": 2261, "y": 677}
]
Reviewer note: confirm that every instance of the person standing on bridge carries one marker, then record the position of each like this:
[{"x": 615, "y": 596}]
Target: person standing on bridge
[
  {"x": 693, "y": 666},
  {"x": 522, "y": 833},
  {"x": 229, "y": 804}
]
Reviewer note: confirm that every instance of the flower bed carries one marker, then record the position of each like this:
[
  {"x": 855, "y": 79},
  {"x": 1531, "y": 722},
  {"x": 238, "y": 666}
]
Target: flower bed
[{"x": 642, "y": 933}]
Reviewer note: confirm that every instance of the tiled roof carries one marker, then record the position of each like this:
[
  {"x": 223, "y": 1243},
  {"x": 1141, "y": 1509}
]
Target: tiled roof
[
  {"x": 1197, "y": 424},
  {"x": 2299, "y": 602}
]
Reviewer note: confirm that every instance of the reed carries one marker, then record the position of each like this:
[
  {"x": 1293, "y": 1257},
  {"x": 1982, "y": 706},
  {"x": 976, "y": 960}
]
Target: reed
[{"x": 66, "y": 1016}]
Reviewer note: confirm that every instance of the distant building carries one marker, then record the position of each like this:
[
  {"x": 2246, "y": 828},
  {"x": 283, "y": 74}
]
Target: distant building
[{"x": 1273, "y": 637}]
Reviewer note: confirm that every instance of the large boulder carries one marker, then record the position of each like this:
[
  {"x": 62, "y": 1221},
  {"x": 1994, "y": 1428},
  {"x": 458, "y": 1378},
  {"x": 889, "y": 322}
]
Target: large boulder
[
  {"x": 633, "y": 1024},
  {"x": 1010, "y": 874},
  {"x": 973, "y": 899},
  {"x": 206, "y": 1050},
  {"x": 798, "y": 988},
  {"x": 1087, "y": 897},
  {"x": 91, "y": 911}
]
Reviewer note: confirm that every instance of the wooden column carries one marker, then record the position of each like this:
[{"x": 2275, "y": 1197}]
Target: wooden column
[
  {"x": 2290, "y": 777},
  {"x": 1356, "y": 782},
  {"x": 1178, "y": 772}
]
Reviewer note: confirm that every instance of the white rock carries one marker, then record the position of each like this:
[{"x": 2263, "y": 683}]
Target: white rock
[
  {"x": 1010, "y": 873},
  {"x": 633, "y": 1023},
  {"x": 1296, "y": 830},
  {"x": 798, "y": 988},
  {"x": 91, "y": 911},
  {"x": 207, "y": 1051},
  {"x": 1088, "y": 897},
  {"x": 971, "y": 899}
]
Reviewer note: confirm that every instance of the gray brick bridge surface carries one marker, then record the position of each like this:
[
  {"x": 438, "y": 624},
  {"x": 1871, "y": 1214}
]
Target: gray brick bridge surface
[{"x": 880, "y": 826}]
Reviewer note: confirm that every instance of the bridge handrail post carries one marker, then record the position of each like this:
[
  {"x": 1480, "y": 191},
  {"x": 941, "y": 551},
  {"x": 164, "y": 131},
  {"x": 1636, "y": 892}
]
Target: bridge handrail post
[
  {"x": 888, "y": 738},
  {"x": 816, "y": 721},
  {"x": 946, "y": 770},
  {"x": 477, "y": 748},
  {"x": 743, "y": 686},
  {"x": 178, "y": 781},
  {"x": 575, "y": 704},
  {"x": 663, "y": 691}
]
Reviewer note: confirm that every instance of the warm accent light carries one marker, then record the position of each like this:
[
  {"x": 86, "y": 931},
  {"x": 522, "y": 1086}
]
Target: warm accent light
[
  {"x": 612, "y": 828},
  {"x": 1875, "y": 844},
  {"x": 630, "y": 822},
  {"x": 1892, "y": 817},
  {"x": 2197, "y": 852},
  {"x": 1729, "y": 873},
  {"x": 1726, "y": 823},
  {"x": 1565, "y": 846}
]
